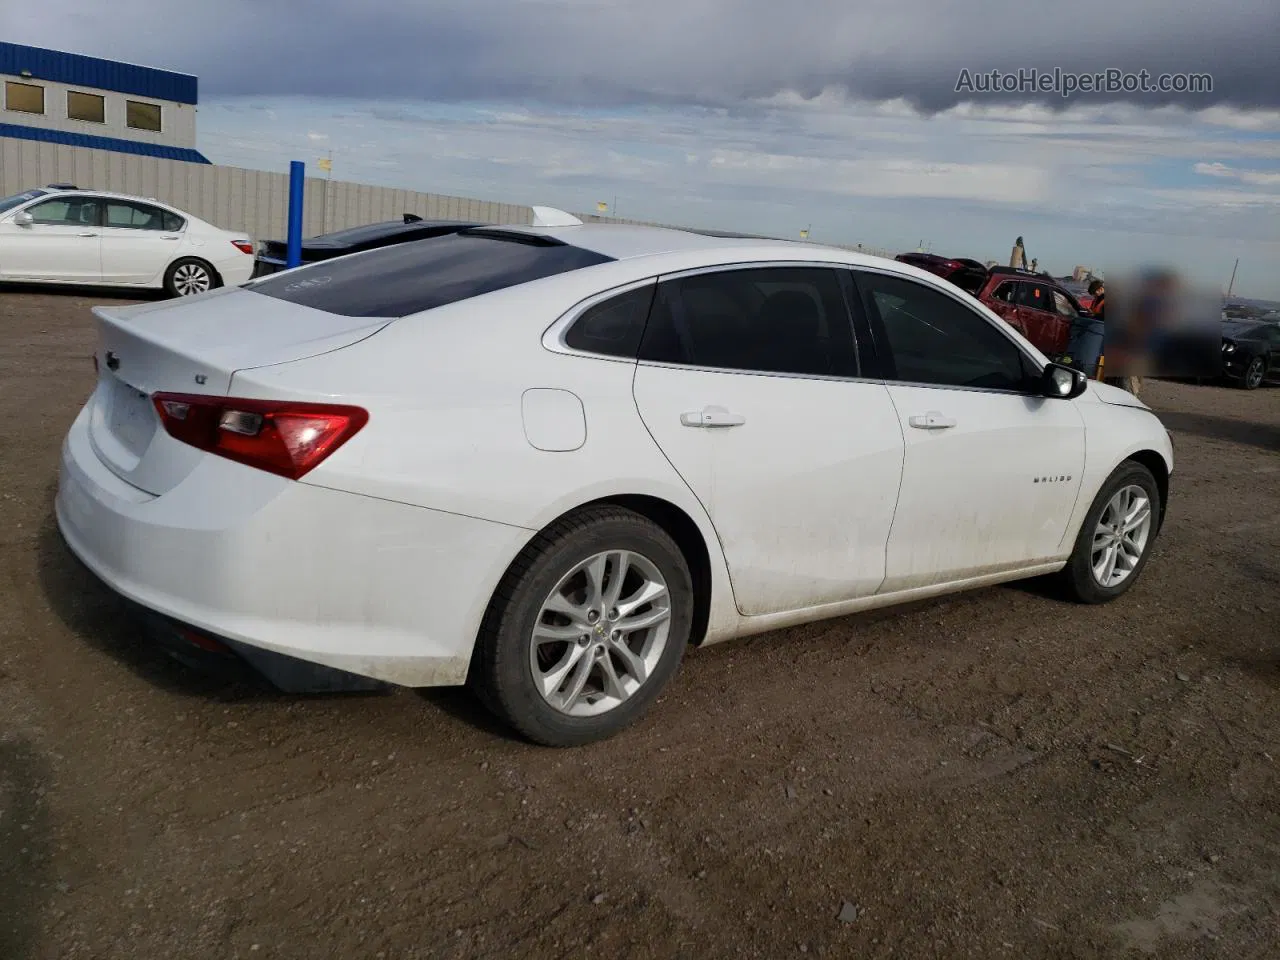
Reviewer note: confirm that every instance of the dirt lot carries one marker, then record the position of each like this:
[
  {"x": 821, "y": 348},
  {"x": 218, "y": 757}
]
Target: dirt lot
[{"x": 995, "y": 775}]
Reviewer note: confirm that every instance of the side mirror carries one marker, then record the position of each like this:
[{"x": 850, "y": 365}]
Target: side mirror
[
  {"x": 1061, "y": 382},
  {"x": 23, "y": 218}
]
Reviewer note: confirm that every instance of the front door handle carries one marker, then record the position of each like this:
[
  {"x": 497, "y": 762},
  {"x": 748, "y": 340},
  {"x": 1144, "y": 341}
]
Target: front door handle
[
  {"x": 931, "y": 421},
  {"x": 88, "y": 234},
  {"x": 712, "y": 417}
]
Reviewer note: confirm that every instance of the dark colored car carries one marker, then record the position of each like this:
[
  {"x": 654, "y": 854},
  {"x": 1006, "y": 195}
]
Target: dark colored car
[
  {"x": 1251, "y": 352},
  {"x": 968, "y": 275},
  {"x": 273, "y": 254}
]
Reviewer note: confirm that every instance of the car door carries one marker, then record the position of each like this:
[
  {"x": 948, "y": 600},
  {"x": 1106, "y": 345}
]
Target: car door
[
  {"x": 139, "y": 241},
  {"x": 991, "y": 468},
  {"x": 1039, "y": 320},
  {"x": 748, "y": 381},
  {"x": 1003, "y": 302},
  {"x": 62, "y": 242}
]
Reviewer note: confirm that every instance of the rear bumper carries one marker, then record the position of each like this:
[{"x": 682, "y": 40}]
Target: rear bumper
[
  {"x": 265, "y": 266},
  {"x": 222, "y": 656},
  {"x": 365, "y": 586}
]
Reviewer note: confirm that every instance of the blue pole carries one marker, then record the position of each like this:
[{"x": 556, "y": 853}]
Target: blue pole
[{"x": 297, "y": 177}]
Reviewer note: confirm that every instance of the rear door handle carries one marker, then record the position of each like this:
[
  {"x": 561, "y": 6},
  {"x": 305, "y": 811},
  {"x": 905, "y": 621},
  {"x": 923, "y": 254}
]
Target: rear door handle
[
  {"x": 88, "y": 234},
  {"x": 170, "y": 238},
  {"x": 712, "y": 417},
  {"x": 931, "y": 421}
]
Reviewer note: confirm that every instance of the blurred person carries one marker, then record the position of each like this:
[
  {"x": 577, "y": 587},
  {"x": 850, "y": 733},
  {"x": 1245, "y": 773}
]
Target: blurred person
[
  {"x": 1098, "y": 290},
  {"x": 1018, "y": 258}
]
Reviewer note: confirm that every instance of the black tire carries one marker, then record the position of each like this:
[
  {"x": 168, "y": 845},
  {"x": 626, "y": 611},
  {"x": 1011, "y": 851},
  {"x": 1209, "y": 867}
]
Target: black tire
[
  {"x": 501, "y": 674},
  {"x": 174, "y": 284},
  {"x": 1077, "y": 578},
  {"x": 1254, "y": 374}
]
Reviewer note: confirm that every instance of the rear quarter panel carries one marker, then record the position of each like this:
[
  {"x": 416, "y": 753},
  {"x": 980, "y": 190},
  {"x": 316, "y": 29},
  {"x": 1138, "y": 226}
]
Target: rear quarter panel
[{"x": 446, "y": 431}]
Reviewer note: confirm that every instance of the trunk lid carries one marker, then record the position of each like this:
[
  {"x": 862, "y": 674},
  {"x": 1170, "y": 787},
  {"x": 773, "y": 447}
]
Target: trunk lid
[{"x": 192, "y": 346}]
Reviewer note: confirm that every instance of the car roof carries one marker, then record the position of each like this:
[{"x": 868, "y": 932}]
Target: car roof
[
  {"x": 49, "y": 193},
  {"x": 624, "y": 241}
]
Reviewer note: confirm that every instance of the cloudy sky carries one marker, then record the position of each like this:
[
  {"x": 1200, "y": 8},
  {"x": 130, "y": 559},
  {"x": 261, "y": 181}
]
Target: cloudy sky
[{"x": 754, "y": 115}]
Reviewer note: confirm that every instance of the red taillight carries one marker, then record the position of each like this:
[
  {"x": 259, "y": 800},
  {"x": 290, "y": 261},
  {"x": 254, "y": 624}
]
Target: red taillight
[
  {"x": 244, "y": 246},
  {"x": 282, "y": 437}
]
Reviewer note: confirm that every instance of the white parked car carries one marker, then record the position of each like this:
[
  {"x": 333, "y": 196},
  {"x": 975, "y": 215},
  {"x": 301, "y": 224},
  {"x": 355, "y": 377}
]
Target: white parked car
[
  {"x": 545, "y": 459},
  {"x": 66, "y": 235}
]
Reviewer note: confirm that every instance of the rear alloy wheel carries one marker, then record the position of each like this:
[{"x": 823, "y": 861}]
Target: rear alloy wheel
[
  {"x": 1116, "y": 537},
  {"x": 586, "y": 629},
  {"x": 1254, "y": 374},
  {"x": 188, "y": 277}
]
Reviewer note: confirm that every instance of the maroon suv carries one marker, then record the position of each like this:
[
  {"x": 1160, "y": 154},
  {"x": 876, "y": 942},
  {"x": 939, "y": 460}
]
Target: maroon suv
[{"x": 1036, "y": 306}]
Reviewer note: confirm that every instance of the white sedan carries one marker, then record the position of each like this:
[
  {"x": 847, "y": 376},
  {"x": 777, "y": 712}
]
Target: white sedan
[
  {"x": 543, "y": 460},
  {"x": 69, "y": 236}
]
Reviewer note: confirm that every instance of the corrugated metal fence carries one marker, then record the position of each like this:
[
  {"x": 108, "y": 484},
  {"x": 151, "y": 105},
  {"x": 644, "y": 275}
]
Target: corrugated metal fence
[{"x": 254, "y": 201}]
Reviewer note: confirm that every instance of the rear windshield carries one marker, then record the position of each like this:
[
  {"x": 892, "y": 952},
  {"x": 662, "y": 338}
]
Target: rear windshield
[
  {"x": 18, "y": 199},
  {"x": 422, "y": 274}
]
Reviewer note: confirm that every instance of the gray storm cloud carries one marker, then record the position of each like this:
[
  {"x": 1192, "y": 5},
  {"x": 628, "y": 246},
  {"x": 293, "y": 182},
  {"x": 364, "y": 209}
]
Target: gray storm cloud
[{"x": 717, "y": 52}]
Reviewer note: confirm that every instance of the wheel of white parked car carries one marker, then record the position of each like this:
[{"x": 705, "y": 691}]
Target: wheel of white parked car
[
  {"x": 587, "y": 627},
  {"x": 189, "y": 276},
  {"x": 1116, "y": 537}
]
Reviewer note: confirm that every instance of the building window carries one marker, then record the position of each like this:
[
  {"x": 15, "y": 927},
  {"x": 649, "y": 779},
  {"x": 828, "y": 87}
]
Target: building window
[
  {"x": 86, "y": 106},
  {"x": 23, "y": 97},
  {"x": 143, "y": 116}
]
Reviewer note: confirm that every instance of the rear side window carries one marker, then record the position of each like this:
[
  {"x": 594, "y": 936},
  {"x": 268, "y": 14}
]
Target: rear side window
[
  {"x": 1035, "y": 296},
  {"x": 615, "y": 326},
  {"x": 755, "y": 320},
  {"x": 423, "y": 274}
]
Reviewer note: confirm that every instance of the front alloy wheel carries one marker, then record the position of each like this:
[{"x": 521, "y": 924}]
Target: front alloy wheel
[
  {"x": 1120, "y": 536},
  {"x": 1254, "y": 373},
  {"x": 1115, "y": 540}
]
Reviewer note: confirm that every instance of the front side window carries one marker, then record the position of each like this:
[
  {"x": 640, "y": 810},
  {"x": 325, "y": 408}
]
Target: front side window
[
  {"x": 614, "y": 326},
  {"x": 138, "y": 216},
  {"x": 934, "y": 339},
  {"x": 1004, "y": 292},
  {"x": 86, "y": 106},
  {"x": 66, "y": 211},
  {"x": 1062, "y": 303},
  {"x": 761, "y": 320},
  {"x": 23, "y": 97},
  {"x": 142, "y": 116}
]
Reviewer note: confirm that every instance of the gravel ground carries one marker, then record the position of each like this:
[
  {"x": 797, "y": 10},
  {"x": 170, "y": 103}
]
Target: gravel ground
[{"x": 994, "y": 775}]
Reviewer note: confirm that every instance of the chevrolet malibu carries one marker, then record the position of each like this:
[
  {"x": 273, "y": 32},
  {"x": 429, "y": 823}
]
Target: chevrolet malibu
[{"x": 543, "y": 460}]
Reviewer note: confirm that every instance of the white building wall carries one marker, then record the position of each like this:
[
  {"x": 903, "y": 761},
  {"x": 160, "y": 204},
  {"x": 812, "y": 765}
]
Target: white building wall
[{"x": 177, "y": 120}]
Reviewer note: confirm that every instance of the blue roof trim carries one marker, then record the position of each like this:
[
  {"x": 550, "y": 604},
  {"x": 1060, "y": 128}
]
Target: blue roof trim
[
  {"x": 77, "y": 70},
  {"x": 102, "y": 143}
]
